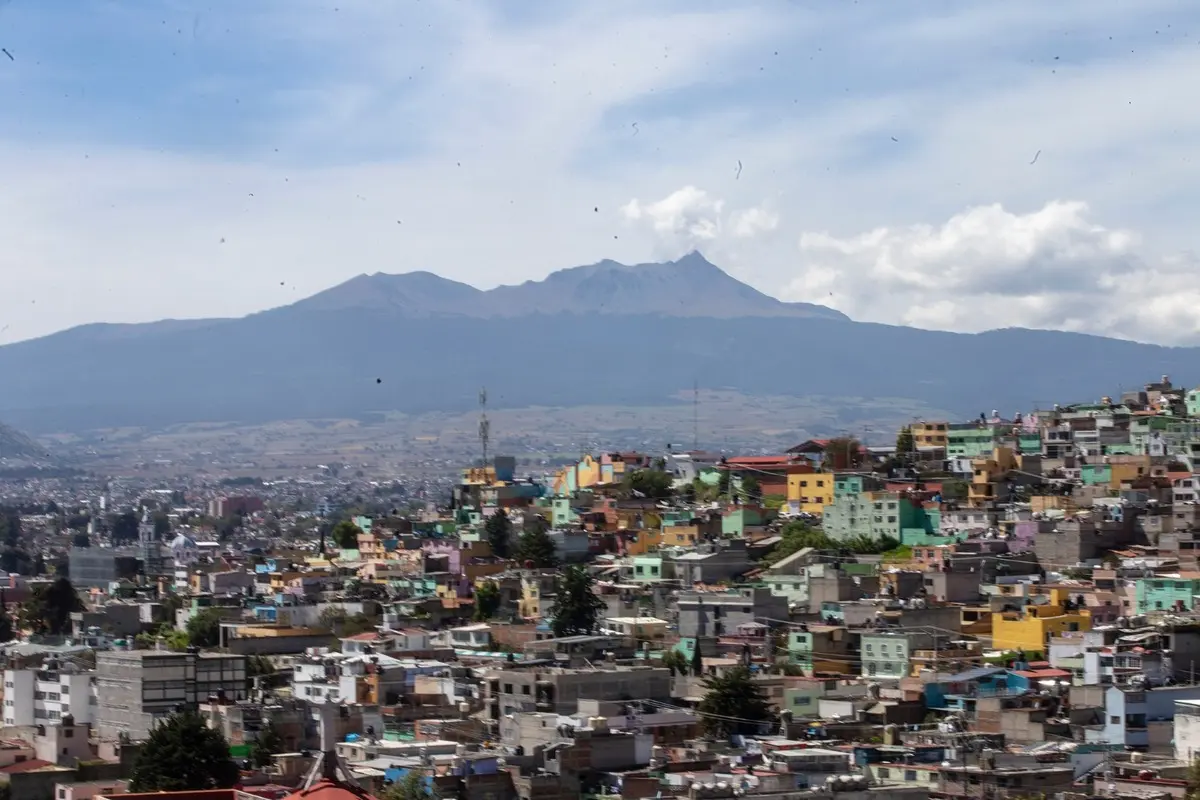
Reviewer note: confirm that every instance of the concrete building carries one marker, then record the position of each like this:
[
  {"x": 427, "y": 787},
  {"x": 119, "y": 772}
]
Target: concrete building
[
  {"x": 718, "y": 613},
  {"x": 46, "y": 696},
  {"x": 97, "y": 567},
  {"x": 135, "y": 689}
]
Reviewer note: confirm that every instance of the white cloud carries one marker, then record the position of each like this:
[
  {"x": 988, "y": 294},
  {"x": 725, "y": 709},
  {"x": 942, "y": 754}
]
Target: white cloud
[
  {"x": 692, "y": 219},
  {"x": 493, "y": 146},
  {"x": 990, "y": 268}
]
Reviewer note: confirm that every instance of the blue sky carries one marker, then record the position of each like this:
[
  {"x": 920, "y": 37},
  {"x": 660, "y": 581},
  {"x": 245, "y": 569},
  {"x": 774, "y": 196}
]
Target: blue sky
[{"x": 181, "y": 159}]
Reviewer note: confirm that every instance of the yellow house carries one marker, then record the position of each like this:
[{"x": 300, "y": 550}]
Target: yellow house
[
  {"x": 987, "y": 473},
  {"x": 641, "y": 542},
  {"x": 929, "y": 434},
  {"x": 1031, "y": 628},
  {"x": 810, "y": 492},
  {"x": 680, "y": 535}
]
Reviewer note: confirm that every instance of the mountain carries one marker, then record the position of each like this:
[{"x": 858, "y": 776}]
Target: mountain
[
  {"x": 605, "y": 334},
  {"x": 15, "y": 446},
  {"x": 688, "y": 287}
]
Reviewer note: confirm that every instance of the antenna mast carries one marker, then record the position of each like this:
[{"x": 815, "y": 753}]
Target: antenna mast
[{"x": 485, "y": 426}]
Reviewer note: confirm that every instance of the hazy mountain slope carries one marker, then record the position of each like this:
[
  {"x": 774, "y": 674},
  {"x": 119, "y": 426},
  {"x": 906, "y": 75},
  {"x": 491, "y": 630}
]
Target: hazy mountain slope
[
  {"x": 15, "y": 445},
  {"x": 296, "y": 363}
]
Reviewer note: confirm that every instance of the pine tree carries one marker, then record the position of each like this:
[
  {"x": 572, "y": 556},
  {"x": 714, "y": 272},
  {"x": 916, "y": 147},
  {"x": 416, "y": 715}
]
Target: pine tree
[
  {"x": 499, "y": 533},
  {"x": 733, "y": 703},
  {"x": 49, "y": 608},
  {"x": 184, "y": 754},
  {"x": 536, "y": 548},
  {"x": 577, "y": 608},
  {"x": 697, "y": 662}
]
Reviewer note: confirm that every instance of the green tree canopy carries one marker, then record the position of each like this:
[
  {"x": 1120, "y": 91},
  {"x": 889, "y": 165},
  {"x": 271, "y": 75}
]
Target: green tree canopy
[
  {"x": 487, "y": 601},
  {"x": 844, "y": 452},
  {"x": 955, "y": 489},
  {"x": 124, "y": 527},
  {"x": 345, "y": 535},
  {"x": 413, "y": 786},
  {"x": 797, "y": 535},
  {"x": 48, "y": 609},
  {"x": 7, "y": 632},
  {"x": 537, "y": 548},
  {"x": 751, "y": 489},
  {"x": 498, "y": 529},
  {"x": 80, "y": 540},
  {"x": 733, "y": 703},
  {"x": 653, "y": 483},
  {"x": 269, "y": 743},
  {"x": 184, "y": 754},
  {"x": 204, "y": 629},
  {"x": 906, "y": 445},
  {"x": 577, "y": 607},
  {"x": 675, "y": 661}
]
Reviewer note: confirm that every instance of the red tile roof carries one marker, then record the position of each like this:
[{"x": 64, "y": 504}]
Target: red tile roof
[{"x": 25, "y": 766}]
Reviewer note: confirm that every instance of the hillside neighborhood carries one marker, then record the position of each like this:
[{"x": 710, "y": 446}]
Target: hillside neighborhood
[{"x": 1001, "y": 607}]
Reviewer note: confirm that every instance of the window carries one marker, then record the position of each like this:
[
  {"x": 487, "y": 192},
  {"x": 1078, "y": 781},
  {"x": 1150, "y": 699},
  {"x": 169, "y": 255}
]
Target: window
[
  {"x": 910, "y": 774},
  {"x": 525, "y": 689},
  {"x": 884, "y": 772},
  {"x": 508, "y": 688},
  {"x": 1114, "y": 720}
]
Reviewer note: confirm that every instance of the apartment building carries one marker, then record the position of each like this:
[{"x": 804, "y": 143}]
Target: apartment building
[
  {"x": 137, "y": 688},
  {"x": 45, "y": 696}
]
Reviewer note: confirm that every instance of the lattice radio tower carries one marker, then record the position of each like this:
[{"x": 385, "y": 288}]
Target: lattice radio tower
[{"x": 485, "y": 426}]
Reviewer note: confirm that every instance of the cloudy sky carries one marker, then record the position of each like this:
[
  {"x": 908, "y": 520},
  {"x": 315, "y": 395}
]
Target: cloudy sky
[{"x": 946, "y": 164}]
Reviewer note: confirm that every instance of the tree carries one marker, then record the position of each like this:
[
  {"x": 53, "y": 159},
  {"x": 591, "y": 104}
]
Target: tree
[
  {"x": 48, "y": 609},
  {"x": 7, "y": 632},
  {"x": 906, "y": 445},
  {"x": 498, "y": 529},
  {"x": 955, "y": 490},
  {"x": 733, "y": 703},
  {"x": 537, "y": 548},
  {"x": 80, "y": 540},
  {"x": 844, "y": 452},
  {"x": 751, "y": 489},
  {"x": 10, "y": 526},
  {"x": 204, "y": 629},
  {"x": 184, "y": 754},
  {"x": 124, "y": 527},
  {"x": 577, "y": 608},
  {"x": 652, "y": 483},
  {"x": 675, "y": 661},
  {"x": 162, "y": 525},
  {"x": 345, "y": 535},
  {"x": 413, "y": 786},
  {"x": 487, "y": 601},
  {"x": 795, "y": 536},
  {"x": 268, "y": 744},
  {"x": 697, "y": 660}
]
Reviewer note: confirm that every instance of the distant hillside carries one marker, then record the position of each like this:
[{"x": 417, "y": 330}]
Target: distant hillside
[
  {"x": 418, "y": 343},
  {"x": 689, "y": 287},
  {"x": 16, "y": 446}
]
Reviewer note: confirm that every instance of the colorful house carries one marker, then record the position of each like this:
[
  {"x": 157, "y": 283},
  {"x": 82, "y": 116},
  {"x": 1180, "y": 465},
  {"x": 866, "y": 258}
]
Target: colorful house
[
  {"x": 1031, "y": 627},
  {"x": 809, "y": 492}
]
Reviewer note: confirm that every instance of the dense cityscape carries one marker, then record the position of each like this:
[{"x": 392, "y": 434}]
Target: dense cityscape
[{"x": 992, "y": 608}]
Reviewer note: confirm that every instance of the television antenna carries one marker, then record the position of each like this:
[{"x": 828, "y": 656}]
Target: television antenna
[{"x": 485, "y": 426}]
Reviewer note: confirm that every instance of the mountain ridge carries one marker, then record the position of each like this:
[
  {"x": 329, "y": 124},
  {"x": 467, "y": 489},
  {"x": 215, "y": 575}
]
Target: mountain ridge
[
  {"x": 586, "y": 337},
  {"x": 690, "y": 286}
]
